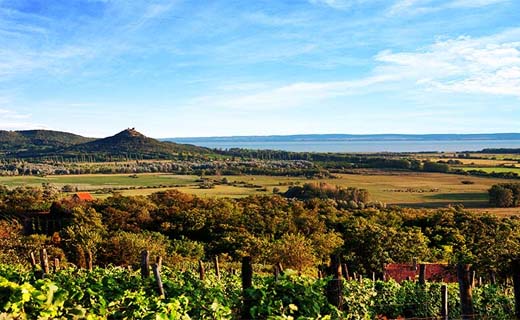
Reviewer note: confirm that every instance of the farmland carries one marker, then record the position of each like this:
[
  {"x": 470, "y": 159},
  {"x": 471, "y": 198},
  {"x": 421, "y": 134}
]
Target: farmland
[
  {"x": 493, "y": 169},
  {"x": 415, "y": 189}
]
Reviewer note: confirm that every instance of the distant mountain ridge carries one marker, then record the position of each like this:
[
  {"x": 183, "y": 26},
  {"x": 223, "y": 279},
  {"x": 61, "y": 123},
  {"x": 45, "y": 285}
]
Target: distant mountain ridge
[
  {"x": 39, "y": 139},
  {"x": 130, "y": 141},
  {"x": 44, "y": 143},
  {"x": 352, "y": 137}
]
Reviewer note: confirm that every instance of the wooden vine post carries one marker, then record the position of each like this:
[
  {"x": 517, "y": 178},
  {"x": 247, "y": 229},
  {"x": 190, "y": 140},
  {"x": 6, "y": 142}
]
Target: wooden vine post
[
  {"x": 56, "y": 264},
  {"x": 32, "y": 260},
  {"x": 422, "y": 274},
  {"x": 202, "y": 272},
  {"x": 444, "y": 302},
  {"x": 156, "y": 268},
  {"x": 515, "y": 268},
  {"x": 247, "y": 283},
  {"x": 44, "y": 262},
  {"x": 492, "y": 277},
  {"x": 145, "y": 264},
  {"x": 217, "y": 267},
  {"x": 465, "y": 289},
  {"x": 89, "y": 260},
  {"x": 344, "y": 269},
  {"x": 335, "y": 285},
  {"x": 280, "y": 267}
]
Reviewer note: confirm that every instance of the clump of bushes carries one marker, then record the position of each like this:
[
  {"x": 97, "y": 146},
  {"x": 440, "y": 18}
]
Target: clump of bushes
[
  {"x": 327, "y": 191},
  {"x": 505, "y": 195}
]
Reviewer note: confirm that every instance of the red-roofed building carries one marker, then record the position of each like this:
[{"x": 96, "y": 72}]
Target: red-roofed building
[
  {"x": 435, "y": 272},
  {"x": 82, "y": 196}
]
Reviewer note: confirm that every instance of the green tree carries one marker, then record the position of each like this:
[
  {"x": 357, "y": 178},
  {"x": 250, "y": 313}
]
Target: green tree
[
  {"x": 85, "y": 232},
  {"x": 500, "y": 196}
]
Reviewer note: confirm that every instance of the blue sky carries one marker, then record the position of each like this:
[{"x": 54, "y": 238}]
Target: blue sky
[{"x": 218, "y": 68}]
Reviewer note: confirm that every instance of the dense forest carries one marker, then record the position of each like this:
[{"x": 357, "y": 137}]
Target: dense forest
[{"x": 301, "y": 234}]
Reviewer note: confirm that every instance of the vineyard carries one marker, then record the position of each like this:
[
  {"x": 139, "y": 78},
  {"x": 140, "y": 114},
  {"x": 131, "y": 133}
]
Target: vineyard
[
  {"x": 122, "y": 293},
  {"x": 330, "y": 261}
]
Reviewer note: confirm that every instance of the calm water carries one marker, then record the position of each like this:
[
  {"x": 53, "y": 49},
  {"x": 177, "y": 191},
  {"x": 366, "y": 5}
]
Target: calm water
[{"x": 362, "y": 146}]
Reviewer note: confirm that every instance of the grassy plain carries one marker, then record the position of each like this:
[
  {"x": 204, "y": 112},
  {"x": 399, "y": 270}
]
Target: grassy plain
[
  {"x": 413, "y": 189},
  {"x": 477, "y": 162},
  {"x": 493, "y": 169},
  {"x": 98, "y": 181}
]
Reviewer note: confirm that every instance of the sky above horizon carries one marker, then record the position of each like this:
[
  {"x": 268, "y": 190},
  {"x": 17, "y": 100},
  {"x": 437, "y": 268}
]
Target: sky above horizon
[{"x": 222, "y": 68}]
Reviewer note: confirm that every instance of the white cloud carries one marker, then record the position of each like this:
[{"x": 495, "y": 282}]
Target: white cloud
[
  {"x": 293, "y": 95},
  {"x": 342, "y": 4},
  {"x": 9, "y": 114},
  {"x": 12, "y": 120},
  {"x": 488, "y": 65},
  {"x": 413, "y": 7},
  {"x": 337, "y": 4},
  {"x": 403, "y": 5},
  {"x": 474, "y": 3}
]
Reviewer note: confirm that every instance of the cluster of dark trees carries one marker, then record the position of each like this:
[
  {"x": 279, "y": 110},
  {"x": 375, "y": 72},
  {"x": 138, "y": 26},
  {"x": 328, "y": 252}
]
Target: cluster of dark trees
[
  {"x": 299, "y": 233},
  {"x": 501, "y": 150},
  {"x": 505, "y": 195},
  {"x": 493, "y": 174},
  {"x": 326, "y": 191},
  {"x": 196, "y": 167}
]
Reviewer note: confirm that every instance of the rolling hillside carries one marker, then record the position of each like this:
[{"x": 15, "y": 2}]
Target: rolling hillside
[
  {"x": 129, "y": 142},
  {"x": 12, "y": 142}
]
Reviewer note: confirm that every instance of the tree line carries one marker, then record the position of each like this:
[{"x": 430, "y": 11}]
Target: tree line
[{"x": 301, "y": 234}]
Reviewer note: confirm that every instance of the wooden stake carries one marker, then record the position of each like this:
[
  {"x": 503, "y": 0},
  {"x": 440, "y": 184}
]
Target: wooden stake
[
  {"x": 422, "y": 274},
  {"x": 280, "y": 267},
  {"x": 145, "y": 264},
  {"x": 444, "y": 302},
  {"x": 32, "y": 260},
  {"x": 156, "y": 268},
  {"x": 335, "y": 285},
  {"x": 202, "y": 272},
  {"x": 158, "y": 261},
  {"x": 217, "y": 267},
  {"x": 465, "y": 289},
  {"x": 89, "y": 260},
  {"x": 492, "y": 277},
  {"x": 344, "y": 269},
  {"x": 44, "y": 262},
  {"x": 247, "y": 282},
  {"x": 56, "y": 264},
  {"x": 515, "y": 269}
]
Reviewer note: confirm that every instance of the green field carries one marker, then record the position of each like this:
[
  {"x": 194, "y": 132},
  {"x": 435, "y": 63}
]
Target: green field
[
  {"x": 414, "y": 189},
  {"x": 493, "y": 169},
  {"x": 97, "y": 181}
]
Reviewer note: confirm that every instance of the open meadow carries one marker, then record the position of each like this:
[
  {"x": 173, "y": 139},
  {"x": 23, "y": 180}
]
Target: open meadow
[{"x": 411, "y": 189}]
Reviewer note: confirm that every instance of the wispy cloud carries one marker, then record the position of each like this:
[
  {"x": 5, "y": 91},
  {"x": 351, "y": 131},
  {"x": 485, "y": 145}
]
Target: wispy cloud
[
  {"x": 415, "y": 7},
  {"x": 300, "y": 94},
  {"x": 474, "y": 3},
  {"x": 27, "y": 46},
  {"x": 9, "y": 114},
  {"x": 13, "y": 120},
  {"x": 489, "y": 65},
  {"x": 337, "y": 4},
  {"x": 486, "y": 65}
]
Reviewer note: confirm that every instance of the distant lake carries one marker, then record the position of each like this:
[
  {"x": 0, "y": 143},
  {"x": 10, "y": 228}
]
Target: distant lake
[{"x": 356, "y": 146}]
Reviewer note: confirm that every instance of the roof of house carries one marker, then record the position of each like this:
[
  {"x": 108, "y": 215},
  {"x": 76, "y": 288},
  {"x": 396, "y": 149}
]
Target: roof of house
[{"x": 85, "y": 196}]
